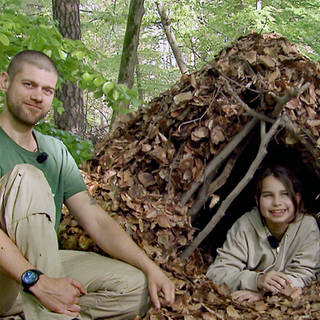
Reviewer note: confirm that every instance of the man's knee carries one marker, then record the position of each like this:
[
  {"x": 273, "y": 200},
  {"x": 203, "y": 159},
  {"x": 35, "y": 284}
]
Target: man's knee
[
  {"x": 138, "y": 285},
  {"x": 25, "y": 191},
  {"x": 28, "y": 171}
]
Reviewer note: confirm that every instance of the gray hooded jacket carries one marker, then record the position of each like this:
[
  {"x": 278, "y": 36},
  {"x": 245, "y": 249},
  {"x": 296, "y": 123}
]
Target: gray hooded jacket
[{"x": 246, "y": 253}]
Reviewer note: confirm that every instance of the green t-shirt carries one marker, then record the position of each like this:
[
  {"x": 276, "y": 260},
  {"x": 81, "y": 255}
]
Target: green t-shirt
[{"x": 60, "y": 168}]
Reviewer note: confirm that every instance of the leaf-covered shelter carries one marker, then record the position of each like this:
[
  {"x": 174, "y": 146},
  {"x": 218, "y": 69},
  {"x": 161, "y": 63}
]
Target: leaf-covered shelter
[{"x": 178, "y": 172}]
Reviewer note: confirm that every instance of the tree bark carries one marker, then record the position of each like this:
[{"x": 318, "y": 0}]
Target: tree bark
[
  {"x": 131, "y": 42},
  {"x": 130, "y": 47},
  {"x": 67, "y": 14},
  {"x": 171, "y": 38},
  {"x": 259, "y": 5}
]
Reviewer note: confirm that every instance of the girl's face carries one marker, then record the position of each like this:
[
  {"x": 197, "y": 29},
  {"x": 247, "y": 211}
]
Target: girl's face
[{"x": 275, "y": 204}]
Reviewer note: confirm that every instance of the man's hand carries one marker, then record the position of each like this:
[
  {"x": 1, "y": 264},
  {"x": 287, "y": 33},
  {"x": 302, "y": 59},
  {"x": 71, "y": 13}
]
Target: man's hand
[
  {"x": 158, "y": 282},
  {"x": 59, "y": 295},
  {"x": 247, "y": 295},
  {"x": 273, "y": 281}
]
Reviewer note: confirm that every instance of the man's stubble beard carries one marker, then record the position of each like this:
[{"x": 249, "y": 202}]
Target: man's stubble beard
[{"x": 29, "y": 118}]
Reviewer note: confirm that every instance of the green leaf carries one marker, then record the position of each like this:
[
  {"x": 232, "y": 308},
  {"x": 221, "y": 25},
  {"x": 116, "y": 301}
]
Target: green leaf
[
  {"x": 62, "y": 54},
  {"x": 98, "y": 94},
  {"x": 87, "y": 77},
  {"x": 136, "y": 102},
  {"x": 107, "y": 87},
  {"x": 79, "y": 54},
  {"x": 116, "y": 94},
  {"x": 98, "y": 81},
  {"x": 60, "y": 110},
  {"x": 4, "y": 39}
]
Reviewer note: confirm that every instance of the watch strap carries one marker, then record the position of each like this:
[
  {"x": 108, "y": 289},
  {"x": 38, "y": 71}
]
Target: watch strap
[{"x": 27, "y": 286}]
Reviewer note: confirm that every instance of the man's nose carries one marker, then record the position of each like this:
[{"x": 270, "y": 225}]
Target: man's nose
[{"x": 37, "y": 95}]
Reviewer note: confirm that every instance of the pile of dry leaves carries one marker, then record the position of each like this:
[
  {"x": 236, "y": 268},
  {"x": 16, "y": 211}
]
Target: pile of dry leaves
[{"x": 152, "y": 158}]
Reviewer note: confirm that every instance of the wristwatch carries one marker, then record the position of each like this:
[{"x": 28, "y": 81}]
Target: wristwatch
[{"x": 29, "y": 278}]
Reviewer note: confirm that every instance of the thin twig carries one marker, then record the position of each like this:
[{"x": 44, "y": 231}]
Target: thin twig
[
  {"x": 200, "y": 118},
  {"x": 242, "y": 104}
]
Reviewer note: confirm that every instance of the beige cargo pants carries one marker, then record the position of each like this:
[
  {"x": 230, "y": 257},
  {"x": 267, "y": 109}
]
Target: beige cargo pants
[{"x": 115, "y": 290}]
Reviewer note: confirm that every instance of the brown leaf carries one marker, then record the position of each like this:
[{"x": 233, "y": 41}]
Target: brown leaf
[
  {"x": 159, "y": 154},
  {"x": 217, "y": 135},
  {"x": 267, "y": 61},
  {"x": 182, "y": 97},
  {"x": 260, "y": 306},
  {"x": 224, "y": 289},
  {"x": 200, "y": 133},
  {"x": 146, "y": 178},
  {"x": 137, "y": 191},
  {"x": 163, "y": 221},
  {"x": 231, "y": 311}
]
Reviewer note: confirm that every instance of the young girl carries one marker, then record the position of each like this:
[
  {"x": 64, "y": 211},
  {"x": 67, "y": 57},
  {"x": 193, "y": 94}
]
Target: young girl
[{"x": 272, "y": 247}]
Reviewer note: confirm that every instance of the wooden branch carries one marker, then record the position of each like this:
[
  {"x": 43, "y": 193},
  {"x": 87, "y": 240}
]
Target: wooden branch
[
  {"x": 217, "y": 160},
  {"x": 241, "y": 135},
  {"x": 214, "y": 186},
  {"x": 202, "y": 195},
  {"x": 265, "y": 138},
  {"x": 171, "y": 38},
  {"x": 250, "y": 111},
  {"x": 300, "y": 136},
  {"x": 281, "y": 101}
]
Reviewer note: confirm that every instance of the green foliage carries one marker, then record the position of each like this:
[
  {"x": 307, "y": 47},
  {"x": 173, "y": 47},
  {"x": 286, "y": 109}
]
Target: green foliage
[
  {"x": 74, "y": 60},
  {"x": 201, "y": 27},
  {"x": 81, "y": 149}
]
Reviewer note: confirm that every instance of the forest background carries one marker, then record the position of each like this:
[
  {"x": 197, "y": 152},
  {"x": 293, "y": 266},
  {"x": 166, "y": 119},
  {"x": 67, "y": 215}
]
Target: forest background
[{"x": 116, "y": 55}]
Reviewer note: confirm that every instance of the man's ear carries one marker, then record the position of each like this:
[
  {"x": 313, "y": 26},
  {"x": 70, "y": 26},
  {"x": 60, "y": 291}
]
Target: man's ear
[{"x": 4, "y": 81}]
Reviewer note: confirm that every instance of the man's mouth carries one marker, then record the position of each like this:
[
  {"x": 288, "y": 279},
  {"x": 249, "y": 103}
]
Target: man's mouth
[{"x": 33, "y": 106}]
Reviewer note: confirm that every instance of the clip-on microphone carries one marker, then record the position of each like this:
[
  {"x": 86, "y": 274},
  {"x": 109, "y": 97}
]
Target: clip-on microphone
[{"x": 42, "y": 157}]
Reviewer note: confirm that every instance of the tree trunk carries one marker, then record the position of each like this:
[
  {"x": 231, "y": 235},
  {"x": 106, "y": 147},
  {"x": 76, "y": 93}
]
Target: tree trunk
[
  {"x": 259, "y": 5},
  {"x": 130, "y": 47},
  {"x": 66, "y": 13},
  {"x": 171, "y": 38},
  {"x": 131, "y": 42}
]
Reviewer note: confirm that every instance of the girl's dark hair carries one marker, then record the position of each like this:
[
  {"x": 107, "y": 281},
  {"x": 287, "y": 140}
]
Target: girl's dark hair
[{"x": 288, "y": 179}]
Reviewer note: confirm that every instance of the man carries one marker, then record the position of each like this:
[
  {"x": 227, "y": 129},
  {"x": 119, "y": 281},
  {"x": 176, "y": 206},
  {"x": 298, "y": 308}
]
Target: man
[{"x": 38, "y": 175}]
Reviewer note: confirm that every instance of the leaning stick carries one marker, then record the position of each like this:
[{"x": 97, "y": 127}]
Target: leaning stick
[
  {"x": 265, "y": 138},
  {"x": 212, "y": 187},
  {"x": 216, "y": 161}
]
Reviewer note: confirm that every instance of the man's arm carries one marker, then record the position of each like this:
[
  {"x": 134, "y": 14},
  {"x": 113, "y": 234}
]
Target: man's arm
[
  {"x": 12, "y": 262},
  {"x": 109, "y": 235},
  {"x": 58, "y": 295}
]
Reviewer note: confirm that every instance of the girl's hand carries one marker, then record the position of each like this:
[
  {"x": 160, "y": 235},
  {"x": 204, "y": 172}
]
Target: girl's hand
[
  {"x": 273, "y": 281},
  {"x": 247, "y": 295}
]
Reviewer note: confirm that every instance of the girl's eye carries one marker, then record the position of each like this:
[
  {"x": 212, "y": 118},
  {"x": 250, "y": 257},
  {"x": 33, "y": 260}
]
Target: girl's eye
[{"x": 267, "y": 195}]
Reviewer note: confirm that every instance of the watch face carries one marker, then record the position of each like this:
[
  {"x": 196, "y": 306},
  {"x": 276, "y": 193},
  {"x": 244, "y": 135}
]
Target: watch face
[{"x": 30, "y": 277}]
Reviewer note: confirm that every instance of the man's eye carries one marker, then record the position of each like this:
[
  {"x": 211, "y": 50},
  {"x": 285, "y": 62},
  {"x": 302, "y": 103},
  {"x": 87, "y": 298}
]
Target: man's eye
[{"x": 48, "y": 91}]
